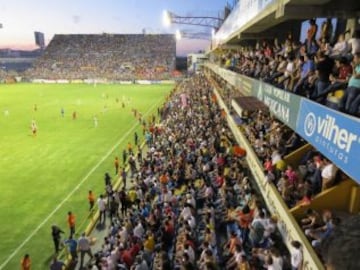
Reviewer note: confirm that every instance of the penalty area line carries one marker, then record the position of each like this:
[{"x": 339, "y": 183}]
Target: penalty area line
[{"x": 75, "y": 189}]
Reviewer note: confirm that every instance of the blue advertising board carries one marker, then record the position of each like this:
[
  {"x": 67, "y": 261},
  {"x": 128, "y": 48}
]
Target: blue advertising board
[{"x": 334, "y": 134}]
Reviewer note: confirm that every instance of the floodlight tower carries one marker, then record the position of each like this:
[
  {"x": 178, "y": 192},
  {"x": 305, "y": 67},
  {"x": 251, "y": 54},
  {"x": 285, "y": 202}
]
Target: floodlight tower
[{"x": 171, "y": 18}]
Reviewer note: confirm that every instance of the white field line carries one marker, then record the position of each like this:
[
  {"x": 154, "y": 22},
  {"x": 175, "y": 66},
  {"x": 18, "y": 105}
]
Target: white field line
[{"x": 73, "y": 191}]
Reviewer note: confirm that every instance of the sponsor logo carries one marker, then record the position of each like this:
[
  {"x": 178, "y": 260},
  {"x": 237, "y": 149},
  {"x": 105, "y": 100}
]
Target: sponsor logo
[
  {"x": 310, "y": 124},
  {"x": 327, "y": 128}
]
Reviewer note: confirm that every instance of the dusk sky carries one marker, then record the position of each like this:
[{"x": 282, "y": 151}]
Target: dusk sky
[{"x": 20, "y": 18}]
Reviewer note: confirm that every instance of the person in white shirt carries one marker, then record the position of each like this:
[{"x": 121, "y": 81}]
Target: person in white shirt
[
  {"x": 190, "y": 252},
  {"x": 192, "y": 222},
  {"x": 123, "y": 235},
  {"x": 277, "y": 259},
  {"x": 186, "y": 212},
  {"x": 296, "y": 255},
  {"x": 84, "y": 247},
  {"x": 328, "y": 174},
  {"x": 354, "y": 43},
  {"x": 190, "y": 200},
  {"x": 340, "y": 48},
  {"x": 102, "y": 209},
  {"x": 139, "y": 230}
]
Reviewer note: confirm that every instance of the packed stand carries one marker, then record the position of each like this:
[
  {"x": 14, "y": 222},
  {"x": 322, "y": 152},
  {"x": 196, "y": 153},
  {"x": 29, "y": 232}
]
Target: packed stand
[
  {"x": 107, "y": 56},
  {"x": 272, "y": 141},
  {"x": 297, "y": 186},
  {"x": 316, "y": 69},
  {"x": 190, "y": 204}
]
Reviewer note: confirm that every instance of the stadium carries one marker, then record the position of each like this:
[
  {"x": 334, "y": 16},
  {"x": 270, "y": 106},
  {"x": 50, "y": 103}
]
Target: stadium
[{"x": 116, "y": 156}]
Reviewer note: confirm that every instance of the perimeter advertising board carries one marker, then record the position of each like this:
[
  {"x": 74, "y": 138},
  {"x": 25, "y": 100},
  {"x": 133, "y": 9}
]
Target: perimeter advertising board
[
  {"x": 334, "y": 134},
  {"x": 284, "y": 105}
]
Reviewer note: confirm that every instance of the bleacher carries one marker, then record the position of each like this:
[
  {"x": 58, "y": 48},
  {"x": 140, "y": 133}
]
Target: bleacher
[
  {"x": 305, "y": 176},
  {"x": 108, "y": 57}
]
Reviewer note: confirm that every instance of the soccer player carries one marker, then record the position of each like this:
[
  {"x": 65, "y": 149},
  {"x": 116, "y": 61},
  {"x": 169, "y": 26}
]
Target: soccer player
[
  {"x": 95, "y": 121},
  {"x": 33, "y": 128},
  {"x": 71, "y": 223},
  {"x": 25, "y": 262},
  {"x": 74, "y": 115}
]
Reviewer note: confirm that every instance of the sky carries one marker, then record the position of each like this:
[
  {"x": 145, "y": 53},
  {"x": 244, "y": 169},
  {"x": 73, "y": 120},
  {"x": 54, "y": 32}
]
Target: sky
[{"x": 20, "y": 18}]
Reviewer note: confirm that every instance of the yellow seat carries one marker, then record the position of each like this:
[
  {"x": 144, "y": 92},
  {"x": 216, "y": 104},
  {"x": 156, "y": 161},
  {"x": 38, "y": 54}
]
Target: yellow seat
[
  {"x": 336, "y": 96},
  {"x": 339, "y": 93}
]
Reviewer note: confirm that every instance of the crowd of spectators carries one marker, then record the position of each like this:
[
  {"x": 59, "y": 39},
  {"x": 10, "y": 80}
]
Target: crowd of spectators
[
  {"x": 107, "y": 56},
  {"x": 272, "y": 141},
  {"x": 313, "y": 174},
  {"x": 190, "y": 203},
  {"x": 315, "y": 68},
  {"x": 297, "y": 186}
]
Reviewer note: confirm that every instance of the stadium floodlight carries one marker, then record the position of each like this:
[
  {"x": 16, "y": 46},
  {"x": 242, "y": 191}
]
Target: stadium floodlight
[
  {"x": 178, "y": 34},
  {"x": 166, "y": 18}
]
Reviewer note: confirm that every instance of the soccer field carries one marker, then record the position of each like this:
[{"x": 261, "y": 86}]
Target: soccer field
[{"x": 43, "y": 177}]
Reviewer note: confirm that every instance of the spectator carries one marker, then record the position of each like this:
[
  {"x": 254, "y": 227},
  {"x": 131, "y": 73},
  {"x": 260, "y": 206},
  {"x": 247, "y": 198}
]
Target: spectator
[
  {"x": 321, "y": 233},
  {"x": 324, "y": 66},
  {"x": 296, "y": 255},
  {"x": 84, "y": 248},
  {"x": 56, "y": 264},
  {"x": 351, "y": 101},
  {"x": 72, "y": 247}
]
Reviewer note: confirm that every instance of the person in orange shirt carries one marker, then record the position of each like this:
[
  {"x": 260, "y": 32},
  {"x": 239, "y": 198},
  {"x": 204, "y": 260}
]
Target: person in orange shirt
[
  {"x": 116, "y": 165},
  {"x": 25, "y": 262},
  {"x": 164, "y": 179},
  {"x": 311, "y": 33},
  {"x": 91, "y": 199},
  {"x": 71, "y": 222},
  {"x": 129, "y": 148}
]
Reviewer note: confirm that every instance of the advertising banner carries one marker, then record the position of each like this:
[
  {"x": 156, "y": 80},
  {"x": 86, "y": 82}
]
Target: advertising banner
[
  {"x": 334, "y": 134},
  {"x": 282, "y": 104}
]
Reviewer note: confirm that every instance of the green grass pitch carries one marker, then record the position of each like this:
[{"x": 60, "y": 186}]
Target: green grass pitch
[{"x": 43, "y": 177}]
